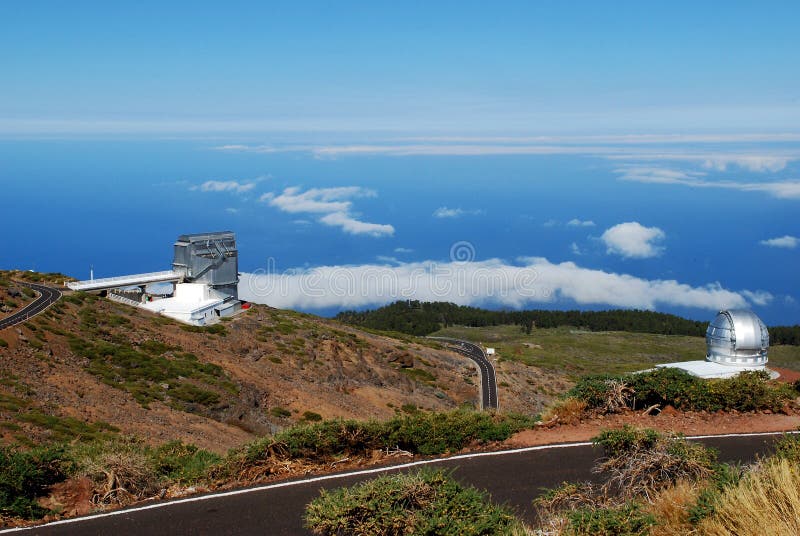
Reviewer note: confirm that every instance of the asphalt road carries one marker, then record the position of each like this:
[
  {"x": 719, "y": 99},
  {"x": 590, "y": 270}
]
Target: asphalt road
[
  {"x": 513, "y": 478},
  {"x": 485, "y": 367},
  {"x": 47, "y": 297}
]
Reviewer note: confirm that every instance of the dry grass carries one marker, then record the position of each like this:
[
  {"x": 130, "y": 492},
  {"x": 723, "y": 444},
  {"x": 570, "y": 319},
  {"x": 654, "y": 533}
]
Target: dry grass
[
  {"x": 766, "y": 501},
  {"x": 567, "y": 411},
  {"x": 671, "y": 509},
  {"x": 618, "y": 397},
  {"x": 120, "y": 471},
  {"x": 645, "y": 470}
]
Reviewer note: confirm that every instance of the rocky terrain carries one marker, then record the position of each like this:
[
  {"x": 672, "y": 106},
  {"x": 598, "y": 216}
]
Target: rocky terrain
[{"x": 89, "y": 365}]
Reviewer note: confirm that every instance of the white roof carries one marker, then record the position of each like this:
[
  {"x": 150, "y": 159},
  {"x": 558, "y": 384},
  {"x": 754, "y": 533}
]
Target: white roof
[{"x": 709, "y": 369}]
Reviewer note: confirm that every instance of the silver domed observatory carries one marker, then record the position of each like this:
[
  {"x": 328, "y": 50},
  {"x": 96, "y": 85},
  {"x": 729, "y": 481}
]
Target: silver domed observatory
[
  {"x": 736, "y": 341},
  {"x": 737, "y": 337}
]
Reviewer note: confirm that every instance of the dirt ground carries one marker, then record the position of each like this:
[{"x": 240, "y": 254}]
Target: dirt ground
[{"x": 688, "y": 423}]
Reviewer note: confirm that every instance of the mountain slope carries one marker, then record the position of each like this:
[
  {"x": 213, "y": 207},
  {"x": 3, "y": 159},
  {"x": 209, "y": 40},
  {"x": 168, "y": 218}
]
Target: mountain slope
[{"x": 89, "y": 365}]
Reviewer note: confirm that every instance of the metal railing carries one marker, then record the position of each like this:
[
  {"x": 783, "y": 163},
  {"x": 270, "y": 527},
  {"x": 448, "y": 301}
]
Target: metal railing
[{"x": 125, "y": 280}]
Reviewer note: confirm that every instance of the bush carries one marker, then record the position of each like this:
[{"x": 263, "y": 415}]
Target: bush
[
  {"x": 565, "y": 411},
  {"x": 122, "y": 470},
  {"x": 311, "y": 416},
  {"x": 788, "y": 447},
  {"x": 747, "y": 391},
  {"x": 25, "y": 475},
  {"x": 626, "y": 520},
  {"x": 3, "y": 343},
  {"x": 422, "y": 503},
  {"x": 641, "y": 461},
  {"x": 180, "y": 462},
  {"x": 725, "y": 476}
]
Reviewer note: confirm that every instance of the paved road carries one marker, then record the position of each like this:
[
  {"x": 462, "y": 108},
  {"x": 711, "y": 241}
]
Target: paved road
[
  {"x": 47, "y": 297},
  {"x": 485, "y": 367},
  {"x": 513, "y": 477}
]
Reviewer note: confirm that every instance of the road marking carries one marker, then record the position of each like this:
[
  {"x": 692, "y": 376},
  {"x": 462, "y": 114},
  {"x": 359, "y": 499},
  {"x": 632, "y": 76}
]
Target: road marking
[{"x": 337, "y": 476}]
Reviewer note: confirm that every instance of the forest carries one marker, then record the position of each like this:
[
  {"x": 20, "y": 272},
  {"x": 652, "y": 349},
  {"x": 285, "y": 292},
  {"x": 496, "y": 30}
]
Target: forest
[{"x": 423, "y": 318}]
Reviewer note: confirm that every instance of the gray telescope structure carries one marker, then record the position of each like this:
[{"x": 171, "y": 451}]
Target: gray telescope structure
[{"x": 209, "y": 258}]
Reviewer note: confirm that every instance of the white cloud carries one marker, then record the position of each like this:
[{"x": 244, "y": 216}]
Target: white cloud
[
  {"x": 756, "y": 163},
  {"x": 633, "y": 240},
  {"x": 316, "y": 200},
  {"x": 575, "y": 222},
  {"x": 788, "y": 189},
  {"x": 332, "y": 204},
  {"x": 356, "y": 227},
  {"x": 444, "y": 212},
  {"x": 225, "y": 186},
  {"x": 232, "y": 210},
  {"x": 403, "y": 250},
  {"x": 575, "y": 249},
  {"x": 787, "y": 241},
  {"x": 532, "y": 281},
  {"x": 550, "y": 223}
]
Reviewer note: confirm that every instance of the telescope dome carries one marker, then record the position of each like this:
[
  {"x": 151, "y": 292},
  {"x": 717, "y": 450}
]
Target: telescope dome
[{"x": 737, "y": 337}]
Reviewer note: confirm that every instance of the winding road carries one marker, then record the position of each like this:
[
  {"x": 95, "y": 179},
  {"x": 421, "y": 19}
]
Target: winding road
[
  {"x": 512, "y": 477},
  {"x": 485, "y": 368},
  {"x": 47, "y": 297}
]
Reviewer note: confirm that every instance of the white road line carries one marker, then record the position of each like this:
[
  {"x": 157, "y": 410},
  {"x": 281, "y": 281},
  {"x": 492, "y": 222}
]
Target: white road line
[{"x": 346, "y": 475}]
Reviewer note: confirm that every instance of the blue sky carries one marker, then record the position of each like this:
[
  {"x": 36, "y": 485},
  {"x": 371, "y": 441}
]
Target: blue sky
[
  {"x": 455, "y": 67},
  {"x": 587, "y": 155}
]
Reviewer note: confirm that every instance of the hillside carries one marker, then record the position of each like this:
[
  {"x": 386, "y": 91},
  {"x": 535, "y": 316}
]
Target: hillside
[{"x": 89, "y": 365}]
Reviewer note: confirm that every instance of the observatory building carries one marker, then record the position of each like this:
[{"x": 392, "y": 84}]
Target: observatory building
[
  {"x": 204, "y": 278},
  {"x": 736, "y": 340}
]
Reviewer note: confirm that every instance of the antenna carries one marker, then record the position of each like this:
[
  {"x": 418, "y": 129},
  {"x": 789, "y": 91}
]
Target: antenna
[{"x": 91, "y": 272}]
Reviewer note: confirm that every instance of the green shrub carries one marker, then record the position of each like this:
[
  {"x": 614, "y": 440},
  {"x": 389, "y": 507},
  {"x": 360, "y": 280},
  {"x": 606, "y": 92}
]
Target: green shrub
[
  {"x": 3, "y": 343},
  {"x": 24, "y": 476},
  {"x": 788, "y": 446},
  {"x": 621, "y": 441},
  {"x": 181, "y": 462},
  {"x": 186, "y": 392},
  {"x": 725, "y": 476},
  {"x": 421, "y": 503},
  {"x": 311, "y": 416},
  {"x": 626, "y": 520}
]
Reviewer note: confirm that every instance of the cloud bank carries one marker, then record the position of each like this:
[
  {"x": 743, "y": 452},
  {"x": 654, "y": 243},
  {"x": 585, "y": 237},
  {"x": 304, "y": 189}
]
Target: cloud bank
[
  {"x": 633, "y": 240},
  {"x": 787, "y": 189},
  {"x": 333, "y": 206},
  {"x": 787, "y": 241},
  {"x": 533, "y": 281}
]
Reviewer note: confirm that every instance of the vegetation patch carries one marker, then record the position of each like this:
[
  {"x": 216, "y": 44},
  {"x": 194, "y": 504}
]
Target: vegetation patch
[
  {"x": 330, "y": 440},
  {"x": 426, "y": 502},
  {"x": 67, "y": 428},
  {"x": 748, "y": 391},
  {"x": 24, "y": 475},
  {"x": 149, "y": 375}
]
